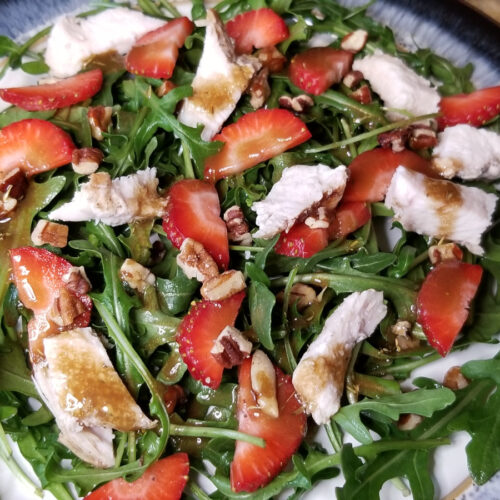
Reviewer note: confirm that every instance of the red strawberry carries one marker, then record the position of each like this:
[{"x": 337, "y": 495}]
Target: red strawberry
[
  {"x": 34, "y": 146},
  {"x": 317, "y": 69},
  {"x": 164, "y": 480},
  {"x": 255, "y": 138},
  {"x": 198, "y": 331},
  {"x": 371, "y": 173},
  {"x": 348, "y": 217},
  {"x": 155, "y": 53},
  {"x": 252, "y": 466},
  {"x": 444, "y": 299},
  {"x": 302, "y": 241},
  {"x": 475, "y": 108},
  {"x": 193, "y": 211},
  {"x": 64, "y": 93},
  {"x": 257, "y": 28}
]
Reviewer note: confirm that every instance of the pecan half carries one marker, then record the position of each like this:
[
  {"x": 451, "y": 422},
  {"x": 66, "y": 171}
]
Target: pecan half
[
  {"x": 263, "y": 378},
  {"x": 76, "y": 280},
  {"x": 422, "y": 136},
  {"x": 353, "y": 79},
  {"x": 99, "y": 119},
  {"x": 271, "y": 58},
  {"x": 259, "y": 89},
  {"x": 445, "y": 251},
  {"x": 354, "y": 41},
  {"x": 136, "y": 275},
  {"x": 454, "y": 379},
  {"x": 300, "y": 104},
  {"x": 86, "y": 161},
  {"x": 50, "y": 233},
  {"x": 65, "y": 309},
  {"x": 395, "y": 139},
  {"x": 237, "y": 226},
  {"x": 196, "y": 262},
  {"x": 362, "y": 95},
  {"x": 223, "y": 286},
  {"x": 408, "y": 421},
  {"x": 14, "y": 183},
  {"x": 231, "y": 347},
  {"x": 302, "y": 295}
]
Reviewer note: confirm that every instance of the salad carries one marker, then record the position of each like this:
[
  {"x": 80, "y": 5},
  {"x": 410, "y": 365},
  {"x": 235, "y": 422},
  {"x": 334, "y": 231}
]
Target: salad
[{"x": 194, "y": 278}]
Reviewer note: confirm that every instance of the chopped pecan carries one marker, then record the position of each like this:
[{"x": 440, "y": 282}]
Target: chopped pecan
[
  {"x": 231, "y": 347},
  {"x": 408, "y": 421},
  {"x": 165, "y": 88},
  {"x": 76, "y": 280},
  {"x": 196, "y": 262},
  {"x": 319, "y": 220},
  {"x": 99, "y": 119},
  {"x": 302, "y": 295},
  {"x": 237, "y": 226},
  {"x": 362, "y": 95},
  {"x": 223, "y": 286},
  {"x": 404, "y": 340},
  {"x": 445, "y": 251},
  {"x": 86, "y": 161},
  {"x": 395, "y": 139},
  {"x": 353, "y": 79},
  {"x": 259, "y": 89},
  {"x": 354, "y": 41},
  {"x": 65, "y": 309},
  {"x": 271, "y": 58},
  {"x": 50, "y": 233},
  {"x": 7, "y": 204},
  {"x": 454, "y": 379},
  {"x": 300, "y": 104},
  {"x": 263, "y": 379},
  {"x": 14, "y": 183},
  {"x": 136, "y": 275},
  {"x": 422, "y": 136}
]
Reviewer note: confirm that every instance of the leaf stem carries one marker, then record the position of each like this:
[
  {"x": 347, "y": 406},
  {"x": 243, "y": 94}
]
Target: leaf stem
[
  {"x": 214, "y": 432},
  {"x": 241, "y": 248},
  {"x": 188, "y": 165}
]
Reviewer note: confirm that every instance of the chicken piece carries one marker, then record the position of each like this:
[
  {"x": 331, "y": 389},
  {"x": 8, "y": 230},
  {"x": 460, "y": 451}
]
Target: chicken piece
[
  {"x": 440, "y": 208},
  {"x": 220, "y": 80},
  {"x": 319, "y": 376},
  {"x": 114, "y": 202},
  {"x": 300, "y": 191},
  {"x": 87, "y": 397},
  {"x": 467, "y": 152}
]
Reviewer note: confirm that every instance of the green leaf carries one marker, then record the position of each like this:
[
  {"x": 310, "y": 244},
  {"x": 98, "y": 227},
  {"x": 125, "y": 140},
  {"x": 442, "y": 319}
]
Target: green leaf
[
  {"x": 35, "y": 67},
  {"x": 15, "y": 114},
  {"x": 422, "y": 402},
  {"x": 14, "y": 372},
  {"x": 298, "y": 31},
  {"x": 176, "y": 294},
  {"x": 488, "y": 368},
  {"x": 261, "y": 302},
  {"x": 372, "y": 264}
]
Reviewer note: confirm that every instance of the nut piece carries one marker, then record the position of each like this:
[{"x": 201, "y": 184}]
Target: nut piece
[
  {"x": 99, "y": 119},
  {"x": 404, "y": 340},
  {"x": 196, "y": 262},
  {"x": 352, "y": 79},
  {"x": 259, "y": 89},
  {"x": 318, "y": 14},
  {"x": 231, "y": 347},
  {"x": 7, "y": 204},
  {"x": 50, "y": 233},
  {"x": 318, "y": 220},
  {"x": 300, "y": 104},
  {"x": 65, "y": 309},
  {"x": 454, "y": 379},
  {"x": 165, "y": 88},
  {"x": 445, "y": 251},
  {"x": 237, "y": 226},
  {"x": 86, "y": 161},
  {"x": 76, "y": 280},
  {"x": 408, "y": 421},
  {"x": 136, "y": 275},
  {"x": 271, "y": 58},
  {"x": 422, "y": 136},
  {"x": 263, "y": 379},
  {"x": 395, "y": 139},
  {"x": 223, "y": 286},
  {"x": 302, "y": 295},
  {"x": 354, "y": 41},
  {"x": 14, "y": 183},
  {"x": 362, "y": 95}
]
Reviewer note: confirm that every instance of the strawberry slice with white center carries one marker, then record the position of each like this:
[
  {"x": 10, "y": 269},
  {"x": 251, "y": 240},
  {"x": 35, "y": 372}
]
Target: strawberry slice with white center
[
  {"x": 199, "y": 330},
  {"x": 302, "y": 241},
  {"x": 317, "y": 69},
  {"x": 155, "y": 53},
  {"x": 254, "y": 138},
  {"x": 474, "y": 109},
  {"x": 257, "y": 28},
  {"x": 193, "y": 211},
  {"x": 34, "y": 146},
  {"x": 57, "y": 95},
  {"x": 252, "y": 466},
  {"x": 163, "y": 480}
]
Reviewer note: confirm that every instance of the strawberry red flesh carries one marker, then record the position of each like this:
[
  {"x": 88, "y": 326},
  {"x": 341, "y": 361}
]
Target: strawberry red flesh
[
  {"x": 193, "y": 211},
  {"x": 474, "y": 109},
  {"x": 371, "y": 173},
  {"x": 34, "y": 146},
  {"x": 164, "y": 480},
  {"x": 254, "y": 138},
  {"x": 317, "y": 69},
  {"x": 257, "y": 28},
  {"x": 197, "y": 333},
  {"x": 252, "y": 466},
  {"x": 348, "y": 217},
  {"x": 61, "y": 94},
  {"x": 302, "y": 241},
  {"x": 155, "y": 54},
  {"x": 444, "y": 299}
]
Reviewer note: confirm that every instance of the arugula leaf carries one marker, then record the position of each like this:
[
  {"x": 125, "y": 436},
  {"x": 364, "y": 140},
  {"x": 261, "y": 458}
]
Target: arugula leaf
[
  {"x": 14, "y": 373},
  {"x": 15, "y": 114},
  {"x": 261, "y": 302},
  {"x": 176, "y": 294}
]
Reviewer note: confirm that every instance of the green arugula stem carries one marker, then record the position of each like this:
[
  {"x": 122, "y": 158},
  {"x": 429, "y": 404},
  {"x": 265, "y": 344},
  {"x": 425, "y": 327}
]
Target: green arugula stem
[
  {"x": 412, "y": 365},
  {"x": 371, "y": 133},
  {"x": 240, "y": 248},
  {"x": 188, "y": 165},
  {"x": 347, "y": 133},
  {"x": 169, "y": 7},
  {"x": 214, "y": 432},
  {"x": 334, "y": 435}
]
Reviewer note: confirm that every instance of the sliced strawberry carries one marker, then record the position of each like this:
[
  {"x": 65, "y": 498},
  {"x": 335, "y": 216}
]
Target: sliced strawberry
[
  {"x": 444, "y": 299},
  {"x": 475, "y": 108},
  {"x": 61, "y": 94},
  {"x": 257, "y": 28},
  {"x": 34, "y": 146},
  {"x": 252, "y": 466},
  {"x": 317, "y": 69},
  {"x": 302, "y": 241},
  {"x": 164, "y": 480},
  {"x": 193, "y": 211},
  {"x": 371, "y": 173},
  {"x": 155, "y": 53},
  {"x": 254, "y": 138},
  {"x": 349, "y": 216},
  {"x": 198, "y": 331}
]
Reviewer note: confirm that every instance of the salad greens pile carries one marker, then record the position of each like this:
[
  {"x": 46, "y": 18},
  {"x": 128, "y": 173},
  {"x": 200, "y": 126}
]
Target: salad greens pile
[{"x": 141, "y": 329}]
